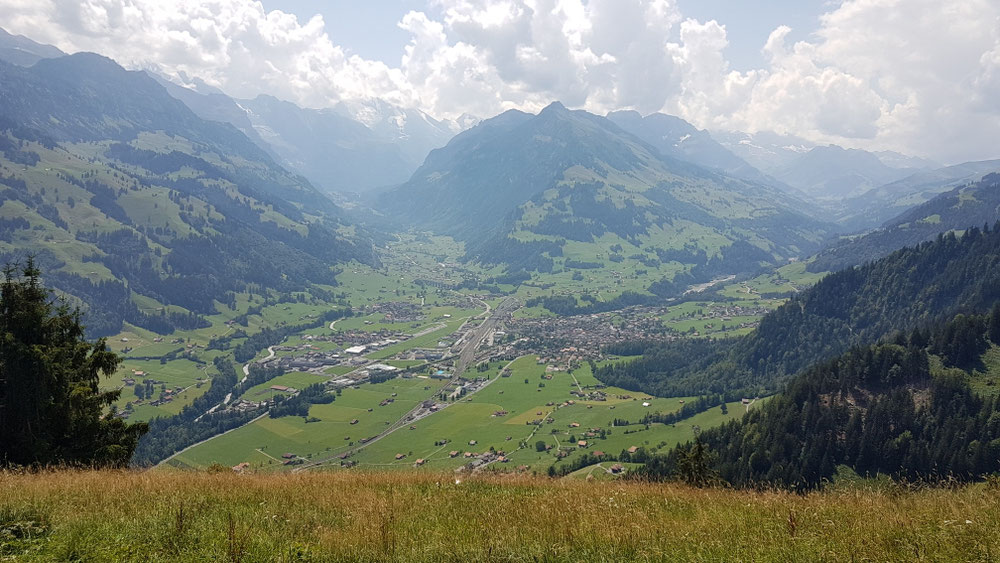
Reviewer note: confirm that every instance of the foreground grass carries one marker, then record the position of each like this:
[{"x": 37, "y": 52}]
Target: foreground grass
[{"x": 168, "y": 516}]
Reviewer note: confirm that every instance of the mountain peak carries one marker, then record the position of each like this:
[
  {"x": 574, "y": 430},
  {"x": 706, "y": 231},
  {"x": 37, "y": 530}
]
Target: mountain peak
[{"x": 554, "y": 107}]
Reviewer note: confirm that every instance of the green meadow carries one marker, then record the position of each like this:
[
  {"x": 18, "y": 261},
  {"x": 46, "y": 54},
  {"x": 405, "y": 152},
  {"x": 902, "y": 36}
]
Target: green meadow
[{"x": 498, "y": 417}]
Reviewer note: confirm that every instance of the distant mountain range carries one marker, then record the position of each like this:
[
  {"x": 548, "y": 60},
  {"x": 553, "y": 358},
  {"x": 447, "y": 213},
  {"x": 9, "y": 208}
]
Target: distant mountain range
[
  {"x": 678, "y": 139},
  {"x": 876, "y": 206},
  {"x": 517, "y": 187},
  {"x": 354, "y": 146},
  {"x": 973, "y": 204},
  {"x": 358, "y": 146},
  {"x": 351, "y": 147},
  {"x": 20, "y": 50}
]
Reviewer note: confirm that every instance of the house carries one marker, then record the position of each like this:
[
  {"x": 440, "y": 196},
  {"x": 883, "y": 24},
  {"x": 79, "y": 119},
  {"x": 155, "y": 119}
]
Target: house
[
  {"x": 280, "y": 388},
  {"x": 419, "y": 462},
  {"x": 582, "y": 443},
  {"x": 453, "y": 453},
  {"x": 400, "y": 456},
  {"x": 617, "y": 468},
  {"x": 472, "y": 442},
  {"x": 574, "y": 424},
  {"x": 287, "y": 456},
  {"x": 355, "y": 421},
  {"x": 633, "y": 449},
  {"x": 241, "y": 467},
  {"x": 598, "y": 453}
]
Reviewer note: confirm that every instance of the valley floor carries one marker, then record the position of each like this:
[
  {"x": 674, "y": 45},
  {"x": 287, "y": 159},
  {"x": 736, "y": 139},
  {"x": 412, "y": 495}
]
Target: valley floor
[{"x": 359, "y": 516}]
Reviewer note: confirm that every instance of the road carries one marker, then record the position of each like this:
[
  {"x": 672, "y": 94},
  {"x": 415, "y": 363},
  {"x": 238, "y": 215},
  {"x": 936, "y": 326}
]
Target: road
[{"x": 466, "y": 357}]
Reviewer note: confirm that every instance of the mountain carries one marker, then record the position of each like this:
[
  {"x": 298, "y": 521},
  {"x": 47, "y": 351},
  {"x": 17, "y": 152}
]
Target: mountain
[
  {"x": 519, "y": 187},
  {"x": 413, "y": 131},
  {"x": 893, "y": 159},
  {"x": 212, "y": 105},
  {"x": 354, "y": 146},
  {"x": 130, "y": 200},
  {"x": 834, "y": 173},
  {"x": 19, "y": 50},
  {"x": 918, "y": 407},
  {"x": 876, "y": 206},
  {"x": 764, "y": 150},
  {"x": 909, "y": 289},
  {"x": 969, "y": 205},
  {"x": 332, "y": 149},
  {"x": 677, "y": 138},
  {"x": 829, "y": 174}
]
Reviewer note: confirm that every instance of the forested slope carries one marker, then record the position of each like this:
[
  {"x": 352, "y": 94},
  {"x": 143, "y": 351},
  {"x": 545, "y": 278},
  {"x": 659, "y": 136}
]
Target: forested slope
[
  {"x": 905, "y": 407},
  {"x": 976, "y": 203},
  {"x": 910, "y": 288}
]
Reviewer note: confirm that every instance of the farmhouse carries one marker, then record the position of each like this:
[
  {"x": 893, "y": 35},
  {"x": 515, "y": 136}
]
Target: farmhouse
[
  {"x": 633, "y": 449},
  {"x": 400, "y": 456}
]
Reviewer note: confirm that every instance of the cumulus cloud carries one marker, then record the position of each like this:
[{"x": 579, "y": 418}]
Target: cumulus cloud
[{"x": 919, "y": 76}]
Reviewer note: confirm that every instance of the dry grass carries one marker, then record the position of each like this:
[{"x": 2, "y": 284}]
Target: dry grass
[{"x": 170, "y": 516}]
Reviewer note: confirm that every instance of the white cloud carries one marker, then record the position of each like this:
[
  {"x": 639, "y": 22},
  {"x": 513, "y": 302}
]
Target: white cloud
[{"x": 920, "y": 76}]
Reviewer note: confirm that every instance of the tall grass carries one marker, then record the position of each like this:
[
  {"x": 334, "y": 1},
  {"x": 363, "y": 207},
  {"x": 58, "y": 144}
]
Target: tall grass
[{"x": 178, "y": 516}]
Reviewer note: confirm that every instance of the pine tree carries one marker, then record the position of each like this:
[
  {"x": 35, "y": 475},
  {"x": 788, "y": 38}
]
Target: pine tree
[
  {"x": 994, "y": 324},
  {"x": 51, "y": 408}
]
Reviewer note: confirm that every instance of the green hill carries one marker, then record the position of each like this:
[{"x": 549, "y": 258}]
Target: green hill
[
  {"x": 908, "y": 408},
  {"x": 144, "y": 212},
  {"x": 910, "y": 288},
  {"x": 521, "y": 189}
]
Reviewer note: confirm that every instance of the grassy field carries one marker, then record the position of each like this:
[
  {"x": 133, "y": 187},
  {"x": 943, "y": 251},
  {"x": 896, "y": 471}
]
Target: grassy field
[
  {"x": 325, "y": 438},
  {"x": 190, "y": 377},
  {"x": 474, "y": 418},
  {"x": 358, "y": 516}
]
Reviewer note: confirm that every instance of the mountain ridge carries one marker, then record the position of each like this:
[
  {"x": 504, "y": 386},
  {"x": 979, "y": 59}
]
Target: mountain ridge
[{"x": 570, "y": 175}]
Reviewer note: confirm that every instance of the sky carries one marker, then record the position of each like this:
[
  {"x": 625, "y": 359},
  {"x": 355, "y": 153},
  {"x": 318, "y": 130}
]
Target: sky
[{"x": 920, "y": 77}]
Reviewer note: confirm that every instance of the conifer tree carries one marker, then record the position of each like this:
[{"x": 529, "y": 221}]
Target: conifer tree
[{"x": 52, "y": 410}]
